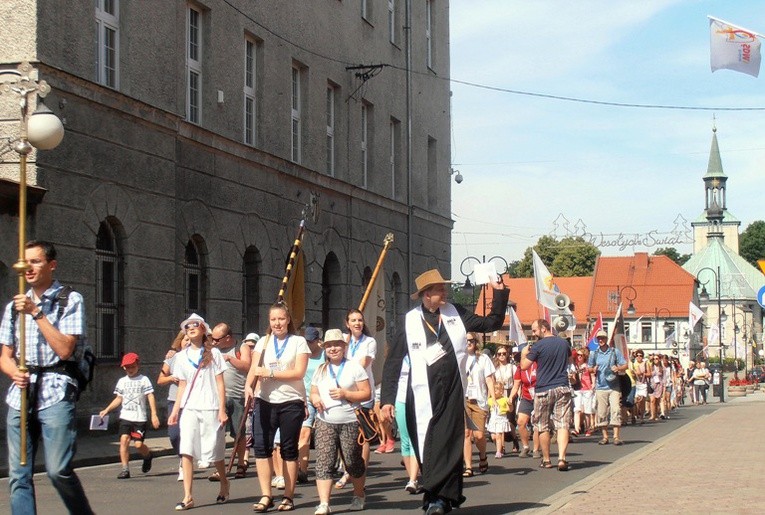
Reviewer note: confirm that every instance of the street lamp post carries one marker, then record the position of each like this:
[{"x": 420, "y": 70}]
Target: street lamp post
[
  {"x": 704, "y": 295},
  {"x": 736, "y": 330},
  {"x": 631, "y": 307},
  {"x": 470, "y": 263},
  {"x": 42, "y": 130},
  {"x": 666, "y": 326}
]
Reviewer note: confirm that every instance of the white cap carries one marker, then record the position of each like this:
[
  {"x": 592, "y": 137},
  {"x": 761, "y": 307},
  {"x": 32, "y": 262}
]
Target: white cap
[{"x": 252, "y": 337}]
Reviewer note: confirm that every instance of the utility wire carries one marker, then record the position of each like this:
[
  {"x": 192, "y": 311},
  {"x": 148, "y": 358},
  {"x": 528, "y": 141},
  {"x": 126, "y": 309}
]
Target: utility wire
[{"x": 431, "y": 75}]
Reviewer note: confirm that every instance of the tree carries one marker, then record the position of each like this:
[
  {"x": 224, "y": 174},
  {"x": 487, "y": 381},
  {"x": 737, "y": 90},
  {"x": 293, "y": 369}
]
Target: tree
[
  {"x": 569, "y": 257},
  {"x": 673, "y": 254},
  {"x": 751, "y": 243}
]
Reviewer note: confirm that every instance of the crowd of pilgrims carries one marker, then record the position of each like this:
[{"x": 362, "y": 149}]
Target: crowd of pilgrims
[{"x": 311, "y": 390}]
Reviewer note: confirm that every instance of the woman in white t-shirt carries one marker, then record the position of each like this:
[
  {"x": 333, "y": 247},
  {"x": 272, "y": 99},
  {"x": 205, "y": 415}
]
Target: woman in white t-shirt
[
  {"x": 362, "y": 349},
  {"x": 280, "y": 403},
  {"x": 480, "y": 386},
  {"x": 202, "y": 397},
  {"x": 336, "y": 389}
]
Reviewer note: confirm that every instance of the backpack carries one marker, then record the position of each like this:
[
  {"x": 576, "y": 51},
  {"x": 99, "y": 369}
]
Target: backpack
[{"x": 81, "y": 366}]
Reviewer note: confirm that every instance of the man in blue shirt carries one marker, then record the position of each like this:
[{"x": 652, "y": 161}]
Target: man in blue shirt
[
  {"x": 553, "y": 402},
  {"x": 606, "y": 363},
  {"x": 51, "y": 392}
]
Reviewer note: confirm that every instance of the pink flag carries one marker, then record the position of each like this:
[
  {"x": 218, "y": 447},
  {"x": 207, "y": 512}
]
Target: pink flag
[{"x": 733, "y": 48}]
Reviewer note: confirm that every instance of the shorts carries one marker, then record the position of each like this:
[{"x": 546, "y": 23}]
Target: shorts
[
  {"x": 135, "y": 430},
  {"x": 202, "y": 436},
  {"x": 235, "y": 412},
  {"x": 554, "y": 407},
  {"x": 525, "y": 407},
  {"x": 584, "y": 401},
  {"x": 311, "y": 414},
  {"x": 476, "y": 415}
]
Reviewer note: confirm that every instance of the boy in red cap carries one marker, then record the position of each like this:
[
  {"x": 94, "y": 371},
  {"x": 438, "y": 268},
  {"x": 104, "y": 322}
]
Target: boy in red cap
[{"x": 132, "y": 393}]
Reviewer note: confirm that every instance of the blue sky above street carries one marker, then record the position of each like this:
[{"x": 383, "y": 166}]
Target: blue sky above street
[{"x": 526, "y": 159}]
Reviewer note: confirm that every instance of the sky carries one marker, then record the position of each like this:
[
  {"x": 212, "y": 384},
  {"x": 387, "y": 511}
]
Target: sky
[{"x": 534, "y": 166}]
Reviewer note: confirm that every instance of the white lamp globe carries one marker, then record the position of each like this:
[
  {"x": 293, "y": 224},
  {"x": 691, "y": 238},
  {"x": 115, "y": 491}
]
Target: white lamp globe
[{"x": 44, "y": 129}]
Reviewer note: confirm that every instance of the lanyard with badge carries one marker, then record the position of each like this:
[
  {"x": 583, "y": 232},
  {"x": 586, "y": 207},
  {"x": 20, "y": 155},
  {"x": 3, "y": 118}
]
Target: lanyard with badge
[
  {"x": 278, "y": 351},
  {"x": 336, "y": 377},
  {"x": 354, "y": 346},
  {"x": 434, "y": 351},
  {"x": 472, "y": 387}
]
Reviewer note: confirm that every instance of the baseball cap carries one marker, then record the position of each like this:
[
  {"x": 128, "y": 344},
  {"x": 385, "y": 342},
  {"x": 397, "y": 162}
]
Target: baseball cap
[
  {"x": 129, "y": 359},
  {"x": 252, "y": 337},
  {"x": 601, "y": 334},
  {"x": 311, "y": 334}
]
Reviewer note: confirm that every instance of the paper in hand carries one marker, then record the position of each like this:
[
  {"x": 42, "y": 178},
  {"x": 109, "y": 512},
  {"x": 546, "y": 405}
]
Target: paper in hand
[{"x": 485, "y": 273}]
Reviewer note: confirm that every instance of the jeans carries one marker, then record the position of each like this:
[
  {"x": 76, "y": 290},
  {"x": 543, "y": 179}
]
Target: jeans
[
  {"x": 174, "y": 431},
  {"x": 57, "y": 428}
]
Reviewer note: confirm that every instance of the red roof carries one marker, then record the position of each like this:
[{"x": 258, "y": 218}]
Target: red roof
[
  {"x": 522, "y": 293},
  {"x": 652, "y": 282}
]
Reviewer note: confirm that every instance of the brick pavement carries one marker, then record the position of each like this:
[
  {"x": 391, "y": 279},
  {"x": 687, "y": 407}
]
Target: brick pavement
[{"x": 714, "y": 464}]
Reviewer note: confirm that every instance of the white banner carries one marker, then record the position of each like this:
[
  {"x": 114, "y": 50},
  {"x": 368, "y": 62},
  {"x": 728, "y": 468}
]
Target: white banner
[{"x": 733, "y": 48}]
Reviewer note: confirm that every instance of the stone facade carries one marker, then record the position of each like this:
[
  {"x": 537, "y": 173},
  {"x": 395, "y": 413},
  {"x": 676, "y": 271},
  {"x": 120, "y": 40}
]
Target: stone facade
[{"x": 134, "y": 171}]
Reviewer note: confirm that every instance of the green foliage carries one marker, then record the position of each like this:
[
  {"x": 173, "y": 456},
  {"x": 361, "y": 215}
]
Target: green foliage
[
  {"x": 751, "y": 243},
  {"x": 569, "y": 257},
  {"x": 673, "y": 254},
  {"x": 463, "y": 298}
]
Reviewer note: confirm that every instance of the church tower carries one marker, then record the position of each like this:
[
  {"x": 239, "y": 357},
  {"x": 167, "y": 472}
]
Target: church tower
[{"x": 715, "y": 199}]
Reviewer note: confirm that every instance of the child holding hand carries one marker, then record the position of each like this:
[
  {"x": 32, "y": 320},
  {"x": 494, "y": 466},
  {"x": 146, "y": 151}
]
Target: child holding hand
[
  {"x": 498, "y": 423},
  {"x": 133, "y": 392}
]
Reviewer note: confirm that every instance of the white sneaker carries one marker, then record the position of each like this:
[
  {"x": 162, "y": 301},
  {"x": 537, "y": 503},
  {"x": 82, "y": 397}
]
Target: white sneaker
[
  {"x": 180, "y": 473},
  {"x": 357, "y": 504},
  {"x": 322, "y": 509},
  {"x": 279, "y": 480},
  {"x": 412, "y": 487}
]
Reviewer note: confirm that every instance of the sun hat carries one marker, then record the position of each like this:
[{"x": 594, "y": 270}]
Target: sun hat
[
  {"x": 333, "y": 335},
  {"x": 601, "y": 334},
  {"x": 427, "y": 279},
  {"x": 195, "y": 318}
]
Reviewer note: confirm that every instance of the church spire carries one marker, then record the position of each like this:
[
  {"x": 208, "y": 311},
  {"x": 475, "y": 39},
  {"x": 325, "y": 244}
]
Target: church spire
[{"x": 714, "y": 180}]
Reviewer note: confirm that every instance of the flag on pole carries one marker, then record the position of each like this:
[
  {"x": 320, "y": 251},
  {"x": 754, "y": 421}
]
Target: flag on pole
[
  {"x": 713, "y": 339},
  {"x": 294, "y": 295},
  {"x": 593, "y": 343},
  {"x": 515, "y": 330},
  {"x": 544, "y": 283},
  {"x": 376, "y": 321},
  {"x": 671, "y": 340},
  {"x": 617, "y": 334},
  {"x": 733, "y": 48},
  {"x": 694, "y": 314}
]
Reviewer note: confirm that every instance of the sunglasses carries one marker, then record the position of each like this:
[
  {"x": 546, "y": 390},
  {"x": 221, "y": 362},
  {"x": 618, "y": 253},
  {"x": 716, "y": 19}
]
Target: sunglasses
[
  {"x": 579, "y": 355},
  {"x": 502, "y": 354},
  {"x": 192, "y": 324},
  {"x": 471, "y": 340},
  {"x": 216, "y": 340}
]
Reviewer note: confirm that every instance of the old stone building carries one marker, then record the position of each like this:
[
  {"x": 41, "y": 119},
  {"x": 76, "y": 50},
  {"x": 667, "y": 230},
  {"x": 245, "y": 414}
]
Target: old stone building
[{"x": 196, "y": 132}]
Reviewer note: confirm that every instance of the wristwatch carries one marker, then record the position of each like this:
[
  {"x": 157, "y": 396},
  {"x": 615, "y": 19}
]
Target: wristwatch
[{"x": 39, "y": 315}]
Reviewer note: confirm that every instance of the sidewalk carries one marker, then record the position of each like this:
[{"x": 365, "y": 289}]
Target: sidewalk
[
  {"x": 99, "y": 447},
  {"x": 713, "y": 464}
]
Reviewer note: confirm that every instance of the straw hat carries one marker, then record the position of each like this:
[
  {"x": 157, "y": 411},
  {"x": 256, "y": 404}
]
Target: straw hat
[
  {"x": 333, "y": 335},
  {"x": 427, "y": 279}
]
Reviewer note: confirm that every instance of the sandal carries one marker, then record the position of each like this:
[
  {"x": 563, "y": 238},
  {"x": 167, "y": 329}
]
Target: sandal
[
  {"x": 286, "y": 505},
  {"x": 563, "y": 465},
  {"x": 604, "y": 441},
  {"x": 546, "y": 464},
  {"x": 214, "y": 477},
  {"x": 483, "y": 465},
  {"x": 241, "y": 470},
  {"x": 340, "y": 483},
  {"x": 467, "y": 473},
  {"x": 262, "y": 507}
]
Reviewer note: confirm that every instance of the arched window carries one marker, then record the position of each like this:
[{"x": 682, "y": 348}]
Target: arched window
[
  {"x": 109, "y": 288},
  {"x": 251, "y": 291},
  {"x": 195, "y": 276}
]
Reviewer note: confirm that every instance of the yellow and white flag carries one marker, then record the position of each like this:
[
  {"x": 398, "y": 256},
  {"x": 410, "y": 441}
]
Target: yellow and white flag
[
  {"x": 733, "y": 48},
  {"x": 376, "y": 322}
]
